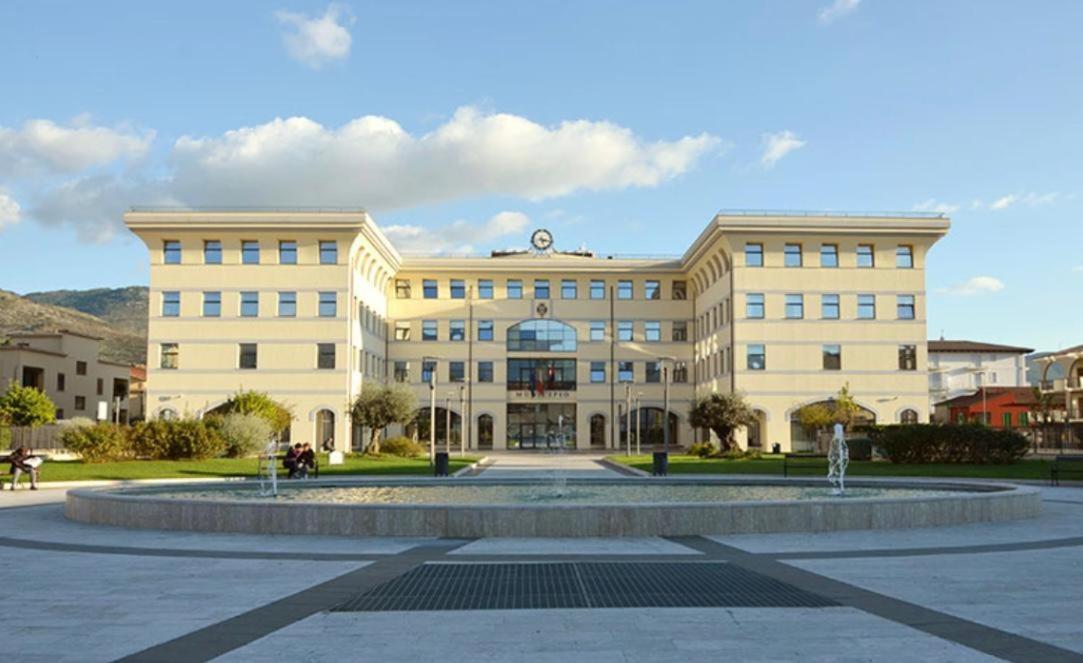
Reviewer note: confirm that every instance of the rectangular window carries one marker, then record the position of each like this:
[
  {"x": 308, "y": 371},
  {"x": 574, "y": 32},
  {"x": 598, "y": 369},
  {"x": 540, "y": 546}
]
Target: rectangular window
[
  {"x": 458, "y": 289},
  {"x": 541, "y": 288},
  {"x": 829, "y": 255},
  {"x": 829, "y": 307},
  {"x": 247, "y": 356},
  {"x": 170, "y": 304},
  {"x": 866, "y": 255},
  {"x": 485, "y": 371},
  {"x": 866, "y": 307},
  {"x": 457, "y": 371},
  {"x": 754, "y": 306},
  {"x": 212, "y": 304},
  {"x": 1006, "y": 420},
  {"x": 61, "y": 382},
  {"x": 80, "y": 368},
  {"x": 171, "y": 252},
  {"x": 402, "y": 331},
  {"x": 624, "y": 289},
  {"x": 287, "y": 304},
  {"x": 100, "y": 387},
  {"x": 325, "y": 356},
  {"x": 170, "y": 355},
  {"x": 485, "y": 330},
  {"x": 428, "y": 371},
  {"x": 569, "y": 289},
  {"x": 795, "y": 307},
  {"x": 680, "y": 372},
  {"x": 212, "y": 252},
  {"x": 402, "y": 371},
  {"x": 625, "y": 371},
  {"x": 652, "y": 290},
  {"x": 654, "y": 372},
  {"x": 402, "y": 289},
  {"x": 757, "y": 358},
  {"x": 597, "y": 330},
  {"x": 485, "y": 288},
  {"x": 249, "y": 304},
  {"x": 250, "y": 252},
  {"x": 429, "y": 289},
  {"x": 428, "y": 330},
  {"x": 597, "y": 289},
  {"x": 328, "y": 252},
  {"x": 904, "y": 257},
  {"x": 680, "y": 330},
  {"x": 832, "y": 357},
  {"x": 328, "y": 304},
  {"x": 753, "y": 255},
  {"x": 1024, "y": 419},
  {"x": 597, "y": 371},
  {"x": 624, "y": 330},
  {"x": 652, "y": 331},
  {"x": 457, "y": 330},
  {"x": 287, "y": 252},
  {"x": 680, "y": 290},
  {"x": 80, "y": 403},
  {"x": 515, "y": 289},
  {"x": 904, "y": 306},
  {"x": 908, "y": 357},
  {"x": 792, "y": 255}
]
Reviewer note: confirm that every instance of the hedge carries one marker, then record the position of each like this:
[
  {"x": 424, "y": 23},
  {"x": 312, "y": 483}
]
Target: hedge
[{"x": 938, "y": 443}]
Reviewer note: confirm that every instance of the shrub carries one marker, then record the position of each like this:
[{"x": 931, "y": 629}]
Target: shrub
[
  {"x": 76, "y": 422},
  {"x": 277, "y": 415},
  {"x": 936, "y": 443},
  {"x": 739, "y": 454},
  {"x": 97, "y": 443},
  {"x": 401, "y": 446},
  {"x": 860, "y": 448},
  {"x": 702, "y": 449},
  {"x": 176, "y": 440},
  {"x": 26, "y": 406},
  {"x": 243, "y": 434}
]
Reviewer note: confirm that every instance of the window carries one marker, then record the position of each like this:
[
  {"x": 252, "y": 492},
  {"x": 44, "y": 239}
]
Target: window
[
  {"x": 402, "y": 289},
  {"x": 541, "y": 288},
  {"x": 170, "y": 304},
  {"x": 829, "y": 307},
  {"x": 569, "y": 289},
  {"x": 904, "y": 306},
  {"x": 795, "y": 307},
  {"x": 541, "y": 335},
  {"x": 457, "y": 330},
  {"x": 402, "y": 371},
  {"x": 757, "y": 358},
  {"x": 485, "y": 371},
  {"x": 754, "y": 306},
  {"x": 325, "y": 356},
  {"x": 247, "y": 356},
  {"x": 753, "y": 255},
  {"x": 680, "y": 290},
  {"x": 328, "y": 252},
  {"x": 866, "y": 255},
  {"x": 428, "y": 371},
  {"x": 485, "y": 330},
  {"x": 402, "y": 330},
  {"x": 832, "y": 357},
  {"x": 458, "y": 289},
  {"x": 652, "y": 290},
  {"x": 829, "y": 255},
  {"x": 100, "y": 387},
  {"x": 80, "y": 403},
  {"x": 428, "y": 330},
  {"x": 250, "y": 252},
  {"x": 597, "y": 330},
  {"x": 680, "y": 330},
  {"x": 287, "y": 252},
  {"x": 652, "y": 331},
  {"x": 515, "y": 289},
  {"x": 680, "y": 372},
  {"x": 457, "y": 371},
  {"x": 597, "y": 289},
  {"x": 597, "y": 371},
  {"x": 625, "y": 371},
  {"x": 908, "y": 357},
  {"x": 541, "y": 374},
  {"x": 485, "y": 288},
  {"x": 287, "y": 304},
  {"x": 429, "y": 289},
  {"x": 61, "y": 382},
  {"x": 866, "y": 307},
  {"x": 212, "y": 304},
  {"x": 1006, "y": 420},
  {"x": 80, "y": 368},
  {"x": 170, "y": 354},
  {"x": 212, "y": 252},
  {"x": 792, "y": 255},
  {"x": 624, "y": 330},
  {"x": 249, "y": 304},
  {"x": 624, "y": 289},
  {"x": 171, "y": 252},
  {"x": 1024, "y": 419},
  {"x": 654, "y": 372},
  {"x": 328, "y": 304},
  {"x": 904, "y": 257}
]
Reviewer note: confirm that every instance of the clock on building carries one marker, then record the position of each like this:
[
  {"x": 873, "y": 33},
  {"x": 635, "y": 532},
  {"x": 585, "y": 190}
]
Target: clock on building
[{"x": 542, "y": 239}]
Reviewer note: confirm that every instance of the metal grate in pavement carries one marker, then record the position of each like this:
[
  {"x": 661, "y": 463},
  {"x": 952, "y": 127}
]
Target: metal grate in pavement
[{"x": 522, "y": 586}]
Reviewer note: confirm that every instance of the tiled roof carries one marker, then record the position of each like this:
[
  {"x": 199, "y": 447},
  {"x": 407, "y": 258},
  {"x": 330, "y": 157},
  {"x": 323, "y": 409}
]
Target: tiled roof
[
  {"x": 975, "y": 346},
  {"x": 1020, "y": 396}
]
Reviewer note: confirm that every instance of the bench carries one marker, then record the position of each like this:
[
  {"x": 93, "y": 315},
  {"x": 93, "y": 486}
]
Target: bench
[
  {"x": 791, "y": 462},
  {"x": 1071, "y": 465},
  {"x": 313, "y": 474}
]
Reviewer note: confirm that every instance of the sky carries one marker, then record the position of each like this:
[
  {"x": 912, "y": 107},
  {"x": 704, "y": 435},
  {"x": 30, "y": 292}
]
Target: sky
[{"x": 619, "y": 125}]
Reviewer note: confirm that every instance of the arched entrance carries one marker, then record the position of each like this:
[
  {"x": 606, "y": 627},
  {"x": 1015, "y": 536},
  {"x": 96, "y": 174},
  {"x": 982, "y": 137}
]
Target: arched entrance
[
  {"x": 485, "y": 431},
  {"x": 807, "y": 437},
  {"x": 908, "y": 416},
  {"x": 419, "y": 427},
  {"x": 756, "y": 431},
  {"x": 597, "y": 431},
  {"x": 325, "y": 430}
]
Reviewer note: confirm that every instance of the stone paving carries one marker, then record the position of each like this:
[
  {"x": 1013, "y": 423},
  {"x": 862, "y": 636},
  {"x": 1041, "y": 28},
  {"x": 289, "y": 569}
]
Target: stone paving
[{"x": 1011, "y": 591}]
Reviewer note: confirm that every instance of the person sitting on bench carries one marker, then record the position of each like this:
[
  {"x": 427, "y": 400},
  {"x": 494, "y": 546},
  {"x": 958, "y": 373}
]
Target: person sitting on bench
[
  {"x": 307, "y": 459},
  {"x": 23, "y": 462},
  {"x": 293, "y": 462}
]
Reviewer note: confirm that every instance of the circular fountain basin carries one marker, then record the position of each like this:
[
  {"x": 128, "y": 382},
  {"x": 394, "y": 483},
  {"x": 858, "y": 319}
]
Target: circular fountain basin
[{"x": 468, "y": 508}]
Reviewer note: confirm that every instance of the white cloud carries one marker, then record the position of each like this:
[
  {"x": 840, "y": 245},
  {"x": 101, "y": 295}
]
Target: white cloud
[
  {"x": 1078, "y": 268},
  {"x": 457, "y": 237},
  {"x": 979, "y": 285},
  {"x": 778, "y": 145},
  {"x": 9, "y": 210},
  {"x": 44, "y": 146},
  {"x": 1004, "y": 202},
  {"x": 317, "y": 40},
  {"x": 932, "y": 205},
  {"x": 1031, "y": 199},
  {"x": 836, "y": 10}
]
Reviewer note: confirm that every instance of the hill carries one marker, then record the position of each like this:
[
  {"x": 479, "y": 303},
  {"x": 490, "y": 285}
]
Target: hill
[{"x": 123, "y": 308}]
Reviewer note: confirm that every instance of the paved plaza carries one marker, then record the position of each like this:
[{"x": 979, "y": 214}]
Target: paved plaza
[{"x": 1011, "y": 591}]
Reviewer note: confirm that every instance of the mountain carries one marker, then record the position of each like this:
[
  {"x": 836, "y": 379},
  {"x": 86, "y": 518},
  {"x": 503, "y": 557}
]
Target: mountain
[{"x": 123, "y": 308}]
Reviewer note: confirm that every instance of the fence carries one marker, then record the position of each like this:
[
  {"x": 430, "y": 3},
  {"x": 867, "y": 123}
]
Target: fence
[{"x": 41, "y": 438}]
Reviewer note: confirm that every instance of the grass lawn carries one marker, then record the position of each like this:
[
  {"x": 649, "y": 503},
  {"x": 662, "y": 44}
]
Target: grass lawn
[
  {"x": 772, "y": 464},
  {"x": 76, "y": 470}
]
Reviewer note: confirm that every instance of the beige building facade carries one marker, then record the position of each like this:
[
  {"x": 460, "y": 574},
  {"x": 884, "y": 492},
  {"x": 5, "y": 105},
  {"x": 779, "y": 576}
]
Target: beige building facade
[{"x": 539, "y": 348}]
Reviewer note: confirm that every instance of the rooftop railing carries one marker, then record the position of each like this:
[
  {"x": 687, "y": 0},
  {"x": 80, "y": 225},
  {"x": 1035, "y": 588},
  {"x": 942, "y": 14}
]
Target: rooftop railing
[
  {"x": 832, "y": 213},
  {"x": 184, "y": 208}
]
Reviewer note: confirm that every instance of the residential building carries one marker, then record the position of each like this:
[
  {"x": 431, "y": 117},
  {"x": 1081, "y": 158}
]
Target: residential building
[
  {"x": 1062, "y": 379},
  {"x": 998, "y": 407},
  {"x": 960, "y": 368}
]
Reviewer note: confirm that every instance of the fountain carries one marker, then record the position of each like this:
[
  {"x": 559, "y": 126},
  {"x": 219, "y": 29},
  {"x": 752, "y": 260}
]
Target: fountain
[
  {"x": 267, "y": 470},
  {"x": 560, "y": 481},
  {"x": 837, "y": 460}
]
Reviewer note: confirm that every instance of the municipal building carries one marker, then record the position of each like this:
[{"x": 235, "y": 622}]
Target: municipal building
[{"x": 543, "y": 347}]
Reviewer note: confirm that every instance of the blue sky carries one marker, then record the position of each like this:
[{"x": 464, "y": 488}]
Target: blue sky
[{"x": 620, "y": 125}]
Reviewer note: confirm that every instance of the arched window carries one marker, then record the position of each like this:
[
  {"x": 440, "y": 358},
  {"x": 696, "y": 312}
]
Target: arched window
[
  {"x": 541, "y": 336},
  {"x": 908, "y": 416},
  {"x": 420, "y": 426},
  {"x": 325, "y": 429},
  {"x": 485, "y": 431},
  {"x": 597, "y": 431}
]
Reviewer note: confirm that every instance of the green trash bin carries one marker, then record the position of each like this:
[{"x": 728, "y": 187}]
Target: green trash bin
[
  {"x": 660, "y": 467},
  {"x": 442, "y": 464}
]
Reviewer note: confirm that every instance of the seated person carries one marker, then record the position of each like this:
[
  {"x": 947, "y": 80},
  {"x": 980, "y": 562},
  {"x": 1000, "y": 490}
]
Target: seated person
[
  {"x": 293, "y": 462},
  {"x": 23, "y": 462},
  {"x": 307, "y": 459}
]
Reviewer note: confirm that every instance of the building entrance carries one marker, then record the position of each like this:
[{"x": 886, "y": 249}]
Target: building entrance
[{"x": 541, "y": 426}]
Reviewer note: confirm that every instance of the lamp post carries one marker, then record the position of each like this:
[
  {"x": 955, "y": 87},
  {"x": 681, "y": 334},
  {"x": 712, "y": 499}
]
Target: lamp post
[
  {"x": 628, "y": 414},
  {"x": 447, "y": 422},
  {"x": 432, "y": 406},
  {"x": 665, "y": 402},
  {"x": 639, "y": 421},
  {"x": 462, "y": 426}
]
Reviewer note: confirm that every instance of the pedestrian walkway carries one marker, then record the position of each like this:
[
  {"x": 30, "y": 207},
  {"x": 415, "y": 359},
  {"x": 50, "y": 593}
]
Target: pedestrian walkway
[{"x": 543, "y": 465}]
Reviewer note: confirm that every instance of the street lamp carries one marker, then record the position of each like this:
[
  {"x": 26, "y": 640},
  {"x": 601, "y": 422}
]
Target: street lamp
[
  {"x": 639, "y": 421},
  {"x": 665, "y": 401},
  {"x": 428, "y": 359},
  {"x": 462, "y": 419},
  {"x": 628, "y": 414},
  {"x": 447, "y": 429}
]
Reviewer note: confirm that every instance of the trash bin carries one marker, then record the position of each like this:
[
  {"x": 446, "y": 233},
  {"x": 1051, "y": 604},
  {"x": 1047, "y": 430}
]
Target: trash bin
[
  {"x": 776, "y": 448},
  {"x": 661, "y": 464},
  {"x": 440, "y": 468}
]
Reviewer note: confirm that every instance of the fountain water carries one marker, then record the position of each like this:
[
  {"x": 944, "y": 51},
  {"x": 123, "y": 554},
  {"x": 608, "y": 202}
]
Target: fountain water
[
  {"x": 560, "y": 481},
  {"x": 267, "y": 470},
  {"x": 837, "y": 460}
]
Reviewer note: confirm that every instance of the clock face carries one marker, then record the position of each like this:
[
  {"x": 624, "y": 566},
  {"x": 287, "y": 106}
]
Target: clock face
[{"x": 541, "y": 239}]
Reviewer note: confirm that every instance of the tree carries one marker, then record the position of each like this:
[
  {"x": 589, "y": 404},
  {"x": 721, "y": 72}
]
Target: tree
[
  {"x": 26, "y": 406},
  {"x": 818, "y": 417},
  {"x": 277, "y": 415},
  {"x": 244, "y": 434},
  {"x": 722, "y": 414},
  {"x": 377, "y": 407},
  {"x": 846, "y": 409}
]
